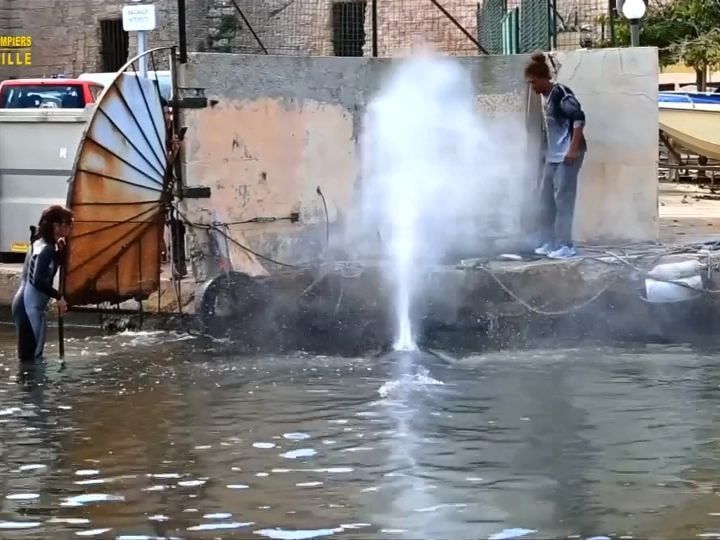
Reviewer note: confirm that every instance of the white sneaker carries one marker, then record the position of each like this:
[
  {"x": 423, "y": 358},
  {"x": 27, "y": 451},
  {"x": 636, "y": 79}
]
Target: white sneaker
[
  {"x": 543, "y": 250},
  {"x": 565, "y": 252}
]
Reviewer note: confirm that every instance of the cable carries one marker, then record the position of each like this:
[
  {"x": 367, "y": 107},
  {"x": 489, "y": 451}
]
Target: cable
[
  {"x": 594, "y": 297},
  {"x": 532, "y": 308},
  {"x": 231, "y": 239},
  {"x": 327, "y": 217}
]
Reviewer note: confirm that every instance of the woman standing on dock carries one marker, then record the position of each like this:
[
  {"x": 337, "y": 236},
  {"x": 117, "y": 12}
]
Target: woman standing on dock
[
  {"x": 29, "y": 306},
  {"x": 566, "y": 147}
]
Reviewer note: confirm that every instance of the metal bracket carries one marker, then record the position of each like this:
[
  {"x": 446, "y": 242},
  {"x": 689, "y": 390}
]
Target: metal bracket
[
  {"x": 196, "y": 99},
  {"x": 195, "y": 192}
]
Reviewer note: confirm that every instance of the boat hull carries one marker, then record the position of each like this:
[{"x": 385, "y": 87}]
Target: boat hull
[{"x": 693, "y": 121}]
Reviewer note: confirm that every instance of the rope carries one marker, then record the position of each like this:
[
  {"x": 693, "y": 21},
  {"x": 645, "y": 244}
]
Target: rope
[
  {"x": 339, "y": 267},
  {"x": 538, "y": 311},
  {"x": 229, "y": 238},
  {"x": 591, "y": 299}
]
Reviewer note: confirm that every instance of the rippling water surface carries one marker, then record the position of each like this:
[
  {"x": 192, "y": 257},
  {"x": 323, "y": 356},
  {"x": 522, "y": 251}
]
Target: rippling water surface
[{"x": 159, "y": 435}]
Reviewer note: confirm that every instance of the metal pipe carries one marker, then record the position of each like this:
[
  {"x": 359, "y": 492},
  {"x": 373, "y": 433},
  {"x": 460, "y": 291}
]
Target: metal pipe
[
  {"x": 460, "y": 27},
  {"x": 635, "y": 33},
  {"x": 252, "y": 31},
  {"x": 374, "y": 29},
  {"x": 182, "y": 32},
  {"x": 142, "y": 45}
]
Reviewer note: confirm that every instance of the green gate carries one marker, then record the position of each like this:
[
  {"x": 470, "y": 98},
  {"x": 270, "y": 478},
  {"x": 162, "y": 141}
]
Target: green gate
[
  {"x": 517, "y": 30},
  {"x": 534, "y": 25},
  {"x": 491, "y": 15}
]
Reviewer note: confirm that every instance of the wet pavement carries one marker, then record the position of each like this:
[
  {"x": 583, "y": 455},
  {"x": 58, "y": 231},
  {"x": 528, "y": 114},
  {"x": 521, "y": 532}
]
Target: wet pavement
[{"x": 150, "y": 435}]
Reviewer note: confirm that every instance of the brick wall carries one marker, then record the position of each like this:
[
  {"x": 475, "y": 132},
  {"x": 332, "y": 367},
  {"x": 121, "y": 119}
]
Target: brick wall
[
  {"x": 304, "y": 27},
  {"x": 402, "y": 23},
  {"x": 66, "y": 33}
]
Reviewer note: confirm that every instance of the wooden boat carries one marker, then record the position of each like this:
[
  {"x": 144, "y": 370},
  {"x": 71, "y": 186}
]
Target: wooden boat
[{"x": 693, "y": 120}]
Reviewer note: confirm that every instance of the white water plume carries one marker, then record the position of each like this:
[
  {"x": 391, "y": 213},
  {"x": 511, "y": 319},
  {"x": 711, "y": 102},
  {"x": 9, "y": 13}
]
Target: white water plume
[{"x": 435, "y": 174}]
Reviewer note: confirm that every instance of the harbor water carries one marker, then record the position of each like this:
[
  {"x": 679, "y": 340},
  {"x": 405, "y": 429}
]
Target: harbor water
[{"x": 146, "y": 435}]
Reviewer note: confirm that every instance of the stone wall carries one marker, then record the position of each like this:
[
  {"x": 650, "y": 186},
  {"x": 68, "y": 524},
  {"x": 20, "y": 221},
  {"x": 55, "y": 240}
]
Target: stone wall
[
  {"x": 66, "y": 33},
  {"x": 403, "y": 23}
]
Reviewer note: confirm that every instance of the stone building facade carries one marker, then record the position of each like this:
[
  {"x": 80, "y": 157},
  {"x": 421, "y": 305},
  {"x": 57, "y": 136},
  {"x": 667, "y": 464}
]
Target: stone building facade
[{"x": 69, "y": 36}]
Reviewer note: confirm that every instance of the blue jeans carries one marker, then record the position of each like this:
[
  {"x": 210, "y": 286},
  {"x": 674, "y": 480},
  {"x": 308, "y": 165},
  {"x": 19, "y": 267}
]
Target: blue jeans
[{"x": 558, "y": 193}]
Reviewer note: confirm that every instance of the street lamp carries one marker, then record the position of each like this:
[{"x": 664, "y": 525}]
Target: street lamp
[{"x": 633, "y": 11}]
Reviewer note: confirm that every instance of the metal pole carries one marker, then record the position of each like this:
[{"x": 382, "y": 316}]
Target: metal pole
[
  {"x": 182, "y": 32},
  {"x": 249, "y": 27},
  {"x": 374, "y": 29},
  {"x": 635, "y": 33},
  {"x": 61, "y": 319},
  {"x": 142, "y": 47},
  {"x": 459, "y": 26}
]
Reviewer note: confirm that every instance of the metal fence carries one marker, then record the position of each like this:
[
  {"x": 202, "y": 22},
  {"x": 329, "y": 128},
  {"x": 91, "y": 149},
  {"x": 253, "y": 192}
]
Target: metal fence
[
  {"x": 585, "y": 23},
  {"x": 344, "y": 27},
  {"x": 387, "y": 27}
]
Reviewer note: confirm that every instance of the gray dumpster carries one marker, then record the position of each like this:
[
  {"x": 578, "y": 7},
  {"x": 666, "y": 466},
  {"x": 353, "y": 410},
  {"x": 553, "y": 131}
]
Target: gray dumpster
[{"x": 37, "y": 154}]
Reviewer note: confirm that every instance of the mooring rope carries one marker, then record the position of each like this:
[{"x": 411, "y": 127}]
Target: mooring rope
[
  {"x": 539, "y": 311},
  {"x": 643, "y": 273}
]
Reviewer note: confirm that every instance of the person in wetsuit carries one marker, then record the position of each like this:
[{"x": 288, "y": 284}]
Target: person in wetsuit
[{"x": 29, "y": 306}]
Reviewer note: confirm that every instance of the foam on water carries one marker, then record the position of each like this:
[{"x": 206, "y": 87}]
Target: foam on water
[
  {"x": 300, "y": 452},
  {"x": 408, "y": 381},
  {"x": 91, "y": 498},
  {"x": 511, "y": 533},
  {"x": 19, "y": 524},
  {"x": 284, "y": 534},
  {"x": 219, "y": 526}
]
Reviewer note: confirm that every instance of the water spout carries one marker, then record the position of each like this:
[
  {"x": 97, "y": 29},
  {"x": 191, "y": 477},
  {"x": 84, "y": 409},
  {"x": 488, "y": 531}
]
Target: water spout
[{"x": 432, "y": 171}]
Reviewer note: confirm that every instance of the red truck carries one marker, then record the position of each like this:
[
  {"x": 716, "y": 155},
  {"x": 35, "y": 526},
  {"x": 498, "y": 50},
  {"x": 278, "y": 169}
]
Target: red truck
[{"x": 55, "y": 93}]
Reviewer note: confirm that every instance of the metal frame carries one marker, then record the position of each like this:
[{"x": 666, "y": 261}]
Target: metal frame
[{"x": 162, "y": 172}]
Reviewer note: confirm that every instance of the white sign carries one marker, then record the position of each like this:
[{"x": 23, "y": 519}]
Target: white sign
[{"x": 139, "y": 18}]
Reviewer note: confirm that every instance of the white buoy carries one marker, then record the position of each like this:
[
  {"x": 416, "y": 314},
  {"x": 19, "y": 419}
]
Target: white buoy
[
  {"x": 678, "y": 270},
  {"x": 664, "y": 292}
]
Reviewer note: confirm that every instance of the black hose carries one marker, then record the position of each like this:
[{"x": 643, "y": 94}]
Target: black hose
[{"x": 327, "y": 217}]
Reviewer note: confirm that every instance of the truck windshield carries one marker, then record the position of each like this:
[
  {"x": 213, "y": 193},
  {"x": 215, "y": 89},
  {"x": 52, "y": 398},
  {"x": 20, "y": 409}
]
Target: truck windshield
[{"x": 42, "y": 97}]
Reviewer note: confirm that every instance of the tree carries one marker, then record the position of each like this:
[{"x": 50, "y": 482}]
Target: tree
[{"x": 685, "y": 31}]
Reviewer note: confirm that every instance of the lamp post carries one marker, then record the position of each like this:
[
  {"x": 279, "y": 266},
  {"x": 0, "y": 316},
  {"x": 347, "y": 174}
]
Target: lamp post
[{"x": 633, "y": 11}]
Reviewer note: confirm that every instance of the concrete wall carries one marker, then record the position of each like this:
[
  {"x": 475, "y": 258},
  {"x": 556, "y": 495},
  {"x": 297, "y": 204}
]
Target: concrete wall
[
  {"x": 618, "y": 194},
  {"x": 281, "y": 126}
]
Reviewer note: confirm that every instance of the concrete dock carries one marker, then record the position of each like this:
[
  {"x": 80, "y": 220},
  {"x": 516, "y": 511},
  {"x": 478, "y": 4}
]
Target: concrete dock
[{"x": 487, "y": 299}]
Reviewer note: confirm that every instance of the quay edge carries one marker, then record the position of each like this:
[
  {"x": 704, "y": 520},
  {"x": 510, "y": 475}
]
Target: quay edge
[{"x": 477, "y": 305}]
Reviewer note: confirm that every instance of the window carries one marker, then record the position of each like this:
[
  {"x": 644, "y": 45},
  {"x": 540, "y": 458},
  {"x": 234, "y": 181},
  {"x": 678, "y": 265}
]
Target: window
[
  {"x": 114, "y": 43},
  {"x": 348, "y": 26},
  {"x": 42, "y": 97}
]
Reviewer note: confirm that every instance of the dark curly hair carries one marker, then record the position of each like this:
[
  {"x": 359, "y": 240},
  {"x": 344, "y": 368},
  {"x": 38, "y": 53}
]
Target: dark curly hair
[
  {"x": 51, "y": 215},
  {"x": 538, "y": 67}
]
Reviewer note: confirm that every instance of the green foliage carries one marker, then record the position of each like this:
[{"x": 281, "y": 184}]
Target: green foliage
[{"x": 685, "y": 31}]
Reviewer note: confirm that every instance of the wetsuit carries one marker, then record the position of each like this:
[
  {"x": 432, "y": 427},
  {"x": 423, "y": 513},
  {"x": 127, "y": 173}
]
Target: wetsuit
[{"x": 29, "y": 306}]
